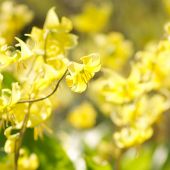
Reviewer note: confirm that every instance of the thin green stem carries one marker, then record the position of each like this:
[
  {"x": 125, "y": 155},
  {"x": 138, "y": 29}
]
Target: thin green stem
[{"x": 18, "y": 142}]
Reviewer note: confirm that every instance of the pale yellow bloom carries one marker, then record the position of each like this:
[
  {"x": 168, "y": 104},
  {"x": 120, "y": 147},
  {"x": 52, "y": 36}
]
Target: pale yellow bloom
[
  {"x": 80, "y": 74},
  {"x": 25, "y": 161},
  {"x": 54, "y": 38},
  {"x": 13, "y": 18},
  {"x": 39, "y": 113},
  {"x": 118, "y": 89},
  {"x": 82, "y": 116},
  {"x": 130, "y": 136},
  {"x": 114, "y": 49},
  {"x": 93, "y": 18}
]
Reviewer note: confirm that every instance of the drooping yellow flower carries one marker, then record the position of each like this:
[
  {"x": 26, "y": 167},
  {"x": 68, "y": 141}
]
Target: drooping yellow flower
[
  {"x": 80, "y": 74},
  {"x": 82, "y": 116},
  {"x": 11, "y": 138}
]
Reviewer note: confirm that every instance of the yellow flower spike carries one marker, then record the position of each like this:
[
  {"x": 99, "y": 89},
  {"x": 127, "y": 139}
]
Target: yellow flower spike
[
  {"x": 80, "y": 74},
  {"x": 82, "y": 116}
]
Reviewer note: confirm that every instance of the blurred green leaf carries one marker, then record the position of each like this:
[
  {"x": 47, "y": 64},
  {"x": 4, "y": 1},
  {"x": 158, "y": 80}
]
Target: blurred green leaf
[
  {"x": 49, "y": 151},
  {"x": 142, "y": 160},
  {"x": 8, "y": 78},
  {"x": 93, "y": 165}
]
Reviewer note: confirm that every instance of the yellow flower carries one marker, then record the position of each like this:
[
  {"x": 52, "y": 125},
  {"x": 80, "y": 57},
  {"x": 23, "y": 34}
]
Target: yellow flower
[
  {"x": 39, "y": 113},
  {"x": 130, "y": 136},
  {"x": 54, "y": 38},
  {"x": 140, "y": 113},
  {"x": 153, "y": 64},
  {"x": 81, "y": 74},
  {"x": 118, "y": 89},
  {"x": 8, "y": 99},
  {"x": 13, "y": 18},
  {"x": 26, "y": 161},
  {"x": 93, "y": 18},
  {"x": 114, "y": 49},
  {"x": 8, "y": 55},
  {"x": 82, "y": 116}
]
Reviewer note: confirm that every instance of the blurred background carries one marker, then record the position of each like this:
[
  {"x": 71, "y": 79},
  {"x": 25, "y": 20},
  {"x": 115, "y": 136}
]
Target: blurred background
[
  {"x": 76, "y": 144},
  {"x": 140, "y": 21}
]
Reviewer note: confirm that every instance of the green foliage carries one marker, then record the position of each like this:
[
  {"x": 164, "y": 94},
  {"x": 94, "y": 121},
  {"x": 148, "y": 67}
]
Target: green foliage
[
  {"x": 93, "y": 165},
  {"x": 8, "y": 79},
  {"x": 142, "y": 159},
  {"x": 50, "y": 152}
]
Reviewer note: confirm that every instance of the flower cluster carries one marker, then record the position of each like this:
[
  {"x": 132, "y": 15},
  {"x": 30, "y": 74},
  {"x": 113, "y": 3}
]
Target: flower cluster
[
  {"x": 38, "y": 65},
  {"x": 13, "y": 18},
  {"x": 137, "y": 101}
]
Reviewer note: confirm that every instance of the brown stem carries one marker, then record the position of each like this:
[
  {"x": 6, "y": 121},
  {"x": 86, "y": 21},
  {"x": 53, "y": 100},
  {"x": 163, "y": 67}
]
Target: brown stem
[
  {"x": 43, "y": 98},
  {"x": 118, "y": 161}
]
